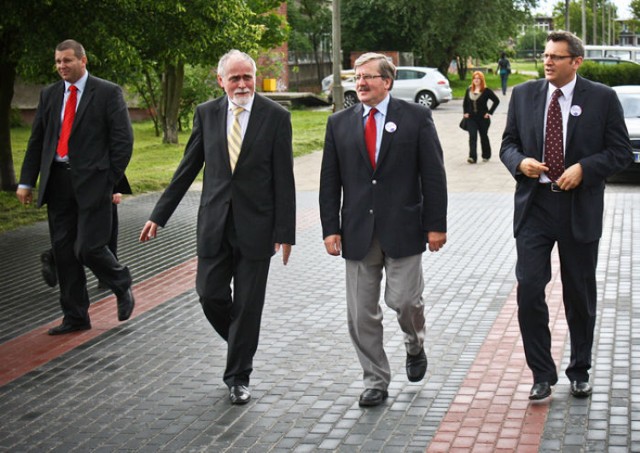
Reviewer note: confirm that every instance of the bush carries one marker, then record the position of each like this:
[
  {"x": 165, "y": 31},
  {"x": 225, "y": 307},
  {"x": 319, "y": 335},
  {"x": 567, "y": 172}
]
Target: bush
[{"x": 611, "y": 74}]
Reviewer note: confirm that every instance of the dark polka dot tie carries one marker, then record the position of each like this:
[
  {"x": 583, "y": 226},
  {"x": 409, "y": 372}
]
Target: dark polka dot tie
[{"x": 553, "y": 148}]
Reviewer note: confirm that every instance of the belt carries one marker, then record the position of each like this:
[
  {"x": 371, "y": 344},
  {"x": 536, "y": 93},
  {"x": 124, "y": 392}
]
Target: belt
[
  {"x": 62, "y": 165},
  {"x": 552, "y": 186}
]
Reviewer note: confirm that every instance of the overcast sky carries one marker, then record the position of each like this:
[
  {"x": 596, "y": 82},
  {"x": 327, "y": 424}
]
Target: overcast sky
[{"x": 546, "y": 7}]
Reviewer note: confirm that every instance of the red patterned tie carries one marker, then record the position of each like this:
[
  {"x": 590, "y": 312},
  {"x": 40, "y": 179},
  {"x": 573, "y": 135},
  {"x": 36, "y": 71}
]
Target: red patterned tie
[
  {"x": 370, "y": 134},
  {"x": 553, "y": 147},
  {"x": 67, "y": 122}
]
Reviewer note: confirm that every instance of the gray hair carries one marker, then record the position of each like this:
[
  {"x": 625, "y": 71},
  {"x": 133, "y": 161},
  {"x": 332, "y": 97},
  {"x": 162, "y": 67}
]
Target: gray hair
[
  {"x": 77, "y": 48},
  {"x": 576, "y": 48},
  {"x": 385, "y": 66},
  {"x": 234, "y": 53}
]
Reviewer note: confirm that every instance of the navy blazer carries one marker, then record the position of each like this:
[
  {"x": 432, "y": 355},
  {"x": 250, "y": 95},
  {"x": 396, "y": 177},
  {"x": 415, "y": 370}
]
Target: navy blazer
[
  {"x": 403, "y": 199},
  {"x": 100, "y": 144},
  {"x": 261, "y": 190},
  {"x": 597, "y": 138}
]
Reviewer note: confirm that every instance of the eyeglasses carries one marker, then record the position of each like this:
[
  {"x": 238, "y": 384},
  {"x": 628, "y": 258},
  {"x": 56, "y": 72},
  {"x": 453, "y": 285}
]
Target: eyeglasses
[
  {"x": 556, "y": 58},
  {"x": 367, "y": 77}
]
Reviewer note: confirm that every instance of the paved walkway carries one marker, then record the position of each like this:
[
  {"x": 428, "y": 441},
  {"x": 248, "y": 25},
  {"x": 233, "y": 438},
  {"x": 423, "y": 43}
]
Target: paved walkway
[{"x": 154, "y": 382}]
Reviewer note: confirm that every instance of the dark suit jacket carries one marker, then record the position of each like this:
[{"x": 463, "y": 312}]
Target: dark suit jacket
[
  {"x": 260, "y": 192},
  {"x": 100, "y": 144},
  {"x": 403, "y": 199},
  {"x": 597, "y": 138}
]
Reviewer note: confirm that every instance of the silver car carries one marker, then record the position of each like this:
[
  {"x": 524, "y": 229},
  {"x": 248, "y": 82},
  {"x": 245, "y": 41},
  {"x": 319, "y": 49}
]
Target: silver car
[
  {"x": 629, "y": 96},
  {"x": 426, "y": 86}
]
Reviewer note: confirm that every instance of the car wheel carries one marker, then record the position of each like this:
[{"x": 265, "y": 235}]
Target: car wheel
[
  {"x": 350, "y": 98},
  {"x": 427, "y": 99}
]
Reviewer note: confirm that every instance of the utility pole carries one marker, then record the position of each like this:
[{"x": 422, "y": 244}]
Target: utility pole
[
  {"x": 566, "y": 15},
  {"x": 338, "y": 92},
  {"x": 594, "y": 38},
  {"x": 584, "y": 21}
]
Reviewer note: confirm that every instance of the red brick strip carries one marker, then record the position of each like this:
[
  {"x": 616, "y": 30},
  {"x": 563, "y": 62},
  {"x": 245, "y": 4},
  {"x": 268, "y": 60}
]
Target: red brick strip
[
  {"x": 33, "y": 349},
  {"x": 492, "y": 411}
]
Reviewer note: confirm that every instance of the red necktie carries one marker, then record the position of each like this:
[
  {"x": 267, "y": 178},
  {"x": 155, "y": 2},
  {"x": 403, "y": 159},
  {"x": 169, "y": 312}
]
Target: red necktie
[
  {"x": 67, "y": 122},
  {"x": 553, "y": 147},
  {"x": 370, "y": 134}
]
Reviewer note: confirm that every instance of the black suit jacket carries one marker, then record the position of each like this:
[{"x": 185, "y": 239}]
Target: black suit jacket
[
  {"x": 100, "y": 144},
  {"x": 403, "y": 199},
  {"x": 597, "y": 138},
  {"x": 261, "y": 190}
]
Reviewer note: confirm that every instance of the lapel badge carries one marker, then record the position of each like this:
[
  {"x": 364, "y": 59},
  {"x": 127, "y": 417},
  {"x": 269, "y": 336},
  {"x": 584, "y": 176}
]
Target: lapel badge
[
  {"x": 575, "y": 110},
  {"x": 390, "y": 127}
]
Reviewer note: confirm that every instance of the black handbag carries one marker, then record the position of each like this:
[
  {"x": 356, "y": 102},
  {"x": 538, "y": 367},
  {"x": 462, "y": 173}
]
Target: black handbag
[{"x": 463, "y": 124}]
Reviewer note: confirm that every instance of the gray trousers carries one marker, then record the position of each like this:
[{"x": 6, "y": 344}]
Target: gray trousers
[{"x": 403, "y": 294}]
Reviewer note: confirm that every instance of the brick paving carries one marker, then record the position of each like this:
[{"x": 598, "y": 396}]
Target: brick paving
[{"x": 154, "y": 383}]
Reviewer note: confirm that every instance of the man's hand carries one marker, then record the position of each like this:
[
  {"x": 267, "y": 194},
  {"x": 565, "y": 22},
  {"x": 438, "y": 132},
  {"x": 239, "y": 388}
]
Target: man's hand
[
  {"x": 437, "y": 240},
  {"x": 531, "y": 168},
  {"x": 333, "y": 244},
  {"x": 149, "y": 231},
  {"x": 25, "y": 196},
  {"x": 116, "y": 198},
  {"x": 286, "y": 252},
  {"x": 571, "y": 178}
]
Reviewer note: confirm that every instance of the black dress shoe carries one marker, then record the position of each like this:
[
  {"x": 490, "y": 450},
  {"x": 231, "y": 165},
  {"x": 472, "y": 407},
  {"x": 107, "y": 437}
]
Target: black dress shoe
[
  {"x": 581, "y": 389},
  {"x": 68, "y": 328},
  {"x": 49, "y": 268},
  {"x": 416, "y": 366},
  {"x": 125, "y": 305},
  {"x": 372, "y": 397},
  {"x": 239, "y": 394},
  {"x": 540, "y": 391}
]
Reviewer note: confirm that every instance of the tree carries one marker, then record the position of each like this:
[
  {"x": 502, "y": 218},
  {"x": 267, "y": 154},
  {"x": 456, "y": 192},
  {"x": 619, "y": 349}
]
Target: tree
[
  {"x": 310, "y": 22},
  {"x": 575, "y": 19}
]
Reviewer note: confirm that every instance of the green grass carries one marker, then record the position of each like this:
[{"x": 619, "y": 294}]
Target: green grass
[{"x": 152, "y": 163}]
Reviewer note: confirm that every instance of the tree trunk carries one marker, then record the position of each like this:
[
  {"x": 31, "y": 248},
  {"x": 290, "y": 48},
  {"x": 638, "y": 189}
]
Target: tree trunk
[
  {"x": 172, "y": 82},
  {"x": 7, "y": 172},
  {"x": 462, "y": 68}
]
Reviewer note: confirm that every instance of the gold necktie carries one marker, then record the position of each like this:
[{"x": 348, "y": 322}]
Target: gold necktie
[{"x": 235, "y": 138}]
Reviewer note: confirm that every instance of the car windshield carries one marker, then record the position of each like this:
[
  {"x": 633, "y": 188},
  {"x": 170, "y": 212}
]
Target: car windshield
[{"x": 630, "y": 104}]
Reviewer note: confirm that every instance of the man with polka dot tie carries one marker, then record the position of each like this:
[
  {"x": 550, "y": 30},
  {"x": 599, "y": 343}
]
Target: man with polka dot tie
[{"x": 564, "y": 136}]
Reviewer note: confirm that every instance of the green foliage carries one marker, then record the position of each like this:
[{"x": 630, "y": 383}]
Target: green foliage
[
  {"x": 575, "y": 18},
  {"x": 200, "y": 85},
  {"x": 611, "y": 74}
]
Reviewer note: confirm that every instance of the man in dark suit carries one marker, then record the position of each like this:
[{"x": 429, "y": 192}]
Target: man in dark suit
[
  {"x": 383, "y": 196},
  {"x": 564, "y": 136},
  {"x": 247, "y": 209},
  {"x": 80, "y": 145}
]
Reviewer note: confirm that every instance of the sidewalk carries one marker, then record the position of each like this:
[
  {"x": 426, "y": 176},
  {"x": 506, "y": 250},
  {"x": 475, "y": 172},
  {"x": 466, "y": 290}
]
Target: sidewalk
[{"x": 154, "y": 382}]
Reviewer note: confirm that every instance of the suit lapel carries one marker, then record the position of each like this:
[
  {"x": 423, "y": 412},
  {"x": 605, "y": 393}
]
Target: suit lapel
[
  {"x": 89, "y": 91},
  {"x": 579, "y": 98},
  {"x": 357, "y": 122},
  {"x": 253, "y": 127},
  {"x": 394, "y": 115},
  {"x": 539, "y": 102},
  {"x": 56, "y": 107}
]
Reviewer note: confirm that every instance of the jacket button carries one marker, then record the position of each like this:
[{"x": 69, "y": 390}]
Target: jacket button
[
  {"x": 370, "y": 211},
  {"x": 374, "y": 182}
]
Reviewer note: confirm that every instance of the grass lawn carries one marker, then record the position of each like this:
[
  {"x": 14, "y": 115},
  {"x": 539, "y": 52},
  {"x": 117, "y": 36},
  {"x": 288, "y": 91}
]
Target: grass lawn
[{"x": 152, "y": 163}]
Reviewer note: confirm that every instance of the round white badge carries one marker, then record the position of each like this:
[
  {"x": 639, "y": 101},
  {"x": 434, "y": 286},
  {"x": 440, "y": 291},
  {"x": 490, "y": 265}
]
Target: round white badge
[
  {"x": 575, "y": 110},
  {"x": 390, "y": 127}
]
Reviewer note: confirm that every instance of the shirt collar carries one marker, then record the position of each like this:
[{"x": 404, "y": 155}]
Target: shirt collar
[
  {"x": 247, "y": 107},
  {"x": 382, "y": 107},
  {"x": 567, "y": 90},
  {"x": 79, "y": 84}
]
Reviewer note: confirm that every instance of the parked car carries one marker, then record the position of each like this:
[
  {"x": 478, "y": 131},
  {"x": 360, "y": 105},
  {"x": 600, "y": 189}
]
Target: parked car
[
  {"x": 629, "y": 96},
  {"x": 426, "y": 86},
  {"x": 327, "y": 82}
]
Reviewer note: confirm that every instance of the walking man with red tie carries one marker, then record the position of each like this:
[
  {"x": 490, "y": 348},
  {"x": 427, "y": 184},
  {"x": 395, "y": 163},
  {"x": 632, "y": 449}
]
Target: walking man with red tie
[
  {"x": 564, "y": 136},
  {"x": 81, "y": 143},
  {"x": 383, "y": 197}
]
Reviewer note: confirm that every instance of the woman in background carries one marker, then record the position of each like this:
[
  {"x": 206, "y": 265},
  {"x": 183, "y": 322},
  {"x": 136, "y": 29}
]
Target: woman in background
[{"x": 478, "y": 114}]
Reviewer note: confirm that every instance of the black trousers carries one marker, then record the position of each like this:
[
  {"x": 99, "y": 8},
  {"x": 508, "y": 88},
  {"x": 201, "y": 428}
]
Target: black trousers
[
  {"x": 235, "y": 315},
  {"x": 479, "y": 125},
  {"x": 549, "y": 223},
  {"x": 79, "y": 238}
]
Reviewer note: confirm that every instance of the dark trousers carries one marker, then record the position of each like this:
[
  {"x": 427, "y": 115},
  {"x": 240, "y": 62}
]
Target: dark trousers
[
  {"x": 234, "y": 315},
  {"x": 479, "y": 125},
  {"x": 503, "y": 78},
  {"x": 79, "y": 238},
  {"x": 548, "y": 223}
]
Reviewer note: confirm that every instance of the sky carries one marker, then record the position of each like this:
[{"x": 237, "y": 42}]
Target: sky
[{"x": 546, "y": 7}]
